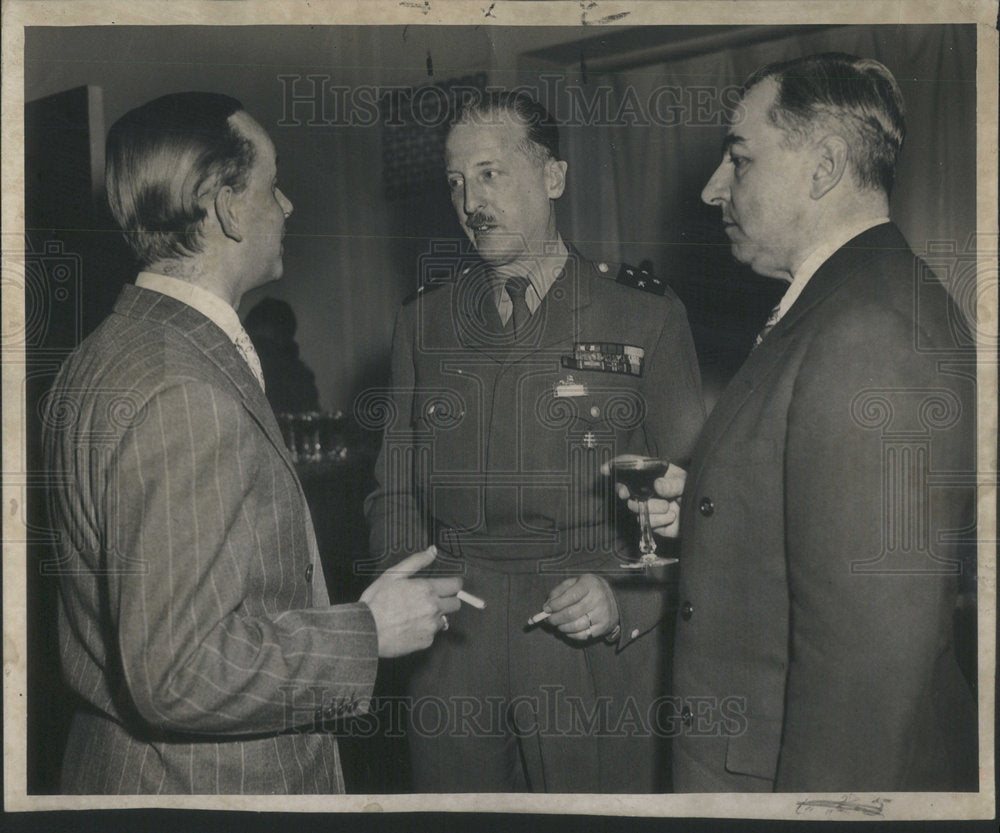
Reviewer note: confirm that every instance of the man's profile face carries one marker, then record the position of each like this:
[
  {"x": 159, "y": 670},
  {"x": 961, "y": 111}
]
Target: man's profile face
[
  {"x": 502, "y": 194},
  {"x": 264, "y": 207},
  {"x": 762, "y": 187}
]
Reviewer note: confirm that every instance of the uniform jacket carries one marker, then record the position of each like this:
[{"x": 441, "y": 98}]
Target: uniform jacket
[
  {"x": 818, "y": 561},
  {"x": 493, "y": 450},
  {"x": 195, "y": 623}
]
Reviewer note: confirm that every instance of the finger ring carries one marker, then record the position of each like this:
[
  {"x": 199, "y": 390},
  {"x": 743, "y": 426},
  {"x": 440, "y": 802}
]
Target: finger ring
[{"x": 444, "y": 622}]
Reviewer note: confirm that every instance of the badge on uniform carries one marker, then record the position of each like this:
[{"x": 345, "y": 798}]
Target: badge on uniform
[
  {"x": 606, "y": 357},
  {"x": 569, "y": 388}
]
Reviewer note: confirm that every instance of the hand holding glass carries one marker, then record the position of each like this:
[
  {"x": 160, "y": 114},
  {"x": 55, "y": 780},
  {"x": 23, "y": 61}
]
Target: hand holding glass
[{"x": 638, "y": 474}]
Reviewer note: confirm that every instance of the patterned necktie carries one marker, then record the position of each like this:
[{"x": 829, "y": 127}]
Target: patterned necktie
[
  {"x": 516, "y": 288},
  {"x": 246, "y": 348},
  {"x": 772, "y": 319}
]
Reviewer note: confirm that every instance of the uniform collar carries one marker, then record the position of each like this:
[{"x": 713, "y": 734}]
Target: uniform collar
[{"x": 541, "y": 272}]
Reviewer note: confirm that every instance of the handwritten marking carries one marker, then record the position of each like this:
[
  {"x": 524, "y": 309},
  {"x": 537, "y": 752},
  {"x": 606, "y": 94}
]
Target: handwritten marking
[
  {"x": 425, "y": 7},
  {"x": 611, "y": 18},
  {"x": 848, "y": 804}
]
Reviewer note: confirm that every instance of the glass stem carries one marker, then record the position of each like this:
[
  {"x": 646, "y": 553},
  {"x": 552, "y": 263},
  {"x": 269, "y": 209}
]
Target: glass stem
[{"x": 647, "y": 545}]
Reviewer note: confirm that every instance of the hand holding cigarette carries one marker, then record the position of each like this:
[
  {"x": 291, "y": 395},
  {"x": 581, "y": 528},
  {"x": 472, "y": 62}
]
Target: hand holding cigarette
[
  {"x": 409, "y": 611},
  {"x": 581, "y": 607},
  {"x": 539, "y": 617},
  {"x": 469, "y": 599}
]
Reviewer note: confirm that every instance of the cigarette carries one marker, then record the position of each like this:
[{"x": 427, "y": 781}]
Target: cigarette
[
  {"x": 539, "y": 617},
  {"x": 469, "y": 599}
]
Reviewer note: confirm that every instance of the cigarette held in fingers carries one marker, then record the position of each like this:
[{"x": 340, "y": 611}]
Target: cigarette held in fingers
[
  {"x": 539, "y": 617},
  {"x": 469, "y": 599}
]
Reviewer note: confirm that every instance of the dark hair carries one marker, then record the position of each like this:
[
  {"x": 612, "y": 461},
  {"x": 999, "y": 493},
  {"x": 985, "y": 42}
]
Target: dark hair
[
  {"x": 858, "y": 95},
  {"x": 163, "y": 159},
  {"x": 542, "y": 138}
]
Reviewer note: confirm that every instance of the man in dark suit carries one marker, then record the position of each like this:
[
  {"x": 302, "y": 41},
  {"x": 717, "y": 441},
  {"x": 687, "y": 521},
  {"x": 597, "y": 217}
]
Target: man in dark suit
[
  {"x": 516, "y": 372},
  {"x": 814, "y": 644},
  {"x": 194, "y": 619}
]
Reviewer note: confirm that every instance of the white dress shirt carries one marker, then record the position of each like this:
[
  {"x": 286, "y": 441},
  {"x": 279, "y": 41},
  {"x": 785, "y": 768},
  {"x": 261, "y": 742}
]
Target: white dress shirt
[
  {"x": 216, "y": 310},
  {"x": 817, "y": 258},
  {"x": 541, "y": 273}
]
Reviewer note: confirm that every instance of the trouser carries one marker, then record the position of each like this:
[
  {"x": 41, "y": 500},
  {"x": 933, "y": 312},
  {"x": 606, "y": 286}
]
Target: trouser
[{"x": 498, "y": 706}]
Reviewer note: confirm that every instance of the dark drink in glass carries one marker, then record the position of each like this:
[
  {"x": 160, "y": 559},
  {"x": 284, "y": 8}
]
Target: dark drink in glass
[{"x": 638, "y": 475}]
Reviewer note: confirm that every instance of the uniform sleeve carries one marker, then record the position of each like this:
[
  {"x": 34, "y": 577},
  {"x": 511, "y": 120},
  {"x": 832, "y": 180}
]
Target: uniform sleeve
[
  {"x": 396, "y": 525},
  {"x": 190, "y": 500},
  {"x": 871, "y": 603},
  {"x": 675, "y": 413}
]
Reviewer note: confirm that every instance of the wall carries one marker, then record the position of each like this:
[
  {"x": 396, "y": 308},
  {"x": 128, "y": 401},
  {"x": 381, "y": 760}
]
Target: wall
[{"x": 351, "y": 254}]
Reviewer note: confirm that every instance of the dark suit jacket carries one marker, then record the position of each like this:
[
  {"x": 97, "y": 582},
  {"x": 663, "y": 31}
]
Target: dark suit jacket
[
  {"x": 818, "y": 563},
  {"x": 195, "y": 622}
]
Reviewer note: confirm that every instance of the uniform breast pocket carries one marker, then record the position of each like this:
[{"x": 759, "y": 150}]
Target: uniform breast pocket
[
  {"x": 438, "y": 410},
  {"x": 445, "y": 431},
  {"x": 592, "y": 401}
]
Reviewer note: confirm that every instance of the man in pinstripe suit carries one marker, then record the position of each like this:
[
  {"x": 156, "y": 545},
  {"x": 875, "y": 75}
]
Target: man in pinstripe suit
[{"x": 194, "y": 619}]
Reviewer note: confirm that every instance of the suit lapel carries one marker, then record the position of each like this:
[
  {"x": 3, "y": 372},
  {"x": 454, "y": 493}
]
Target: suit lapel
[
  {"x": 213, "y": 344},
  {"x": 765, "y": 359},
  {"x": 837, "y": 269}
]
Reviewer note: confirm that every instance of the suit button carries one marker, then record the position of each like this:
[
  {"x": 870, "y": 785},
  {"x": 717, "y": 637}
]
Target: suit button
[
  {"x": 686, "y": 610},
  {"x": 309, "y": 573},
  {"x": 686, "y": 717},
  {"x": 706, "y": 507}
]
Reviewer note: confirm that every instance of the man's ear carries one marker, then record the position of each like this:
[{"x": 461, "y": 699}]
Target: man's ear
[
  {"x": 831, "y": 165},
  {"x": 555, "y": 178},
  {"x": 227, "y": 213}
]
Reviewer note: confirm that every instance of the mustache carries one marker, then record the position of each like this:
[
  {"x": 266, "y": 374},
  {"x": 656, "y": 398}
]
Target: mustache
[{"x": 480, "y": 219}]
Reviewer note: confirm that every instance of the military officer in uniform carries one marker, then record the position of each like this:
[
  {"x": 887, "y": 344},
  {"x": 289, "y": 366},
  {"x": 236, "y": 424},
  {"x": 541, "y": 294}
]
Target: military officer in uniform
[{"x": 517, "y": 371}]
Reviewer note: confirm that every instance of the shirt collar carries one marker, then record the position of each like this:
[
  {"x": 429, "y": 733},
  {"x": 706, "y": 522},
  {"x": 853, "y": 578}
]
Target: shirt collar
[
  {"x": 819, "y": 256},
  {"x": 541, "y": 272},
  {"x": 216, "y": 310}
]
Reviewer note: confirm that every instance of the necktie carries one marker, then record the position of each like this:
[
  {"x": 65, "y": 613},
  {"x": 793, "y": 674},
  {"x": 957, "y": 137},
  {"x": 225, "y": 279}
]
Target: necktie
[
  {"x": 246, "y": 348},
  {"x": 516, "y": 287},
  {"x": 772, "y": 319}
]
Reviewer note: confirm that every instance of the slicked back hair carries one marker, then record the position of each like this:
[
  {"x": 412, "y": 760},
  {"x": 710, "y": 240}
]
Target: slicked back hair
[
  {"x": 542, "y": 140},
  {"x": 164, "y": 160},
  {"x": 857, "y": 96}
]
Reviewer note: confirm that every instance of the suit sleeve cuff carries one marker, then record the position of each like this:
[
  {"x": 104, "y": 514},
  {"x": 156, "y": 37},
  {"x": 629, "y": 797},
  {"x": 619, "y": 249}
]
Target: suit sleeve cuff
[
  {"x": 640, "y": 610},
  {"x": 364, "y": 646}
]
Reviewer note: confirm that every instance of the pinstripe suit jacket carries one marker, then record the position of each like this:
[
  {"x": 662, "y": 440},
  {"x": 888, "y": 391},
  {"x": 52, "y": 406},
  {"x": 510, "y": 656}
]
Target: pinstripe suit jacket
[{"x": 194, "y": 618}]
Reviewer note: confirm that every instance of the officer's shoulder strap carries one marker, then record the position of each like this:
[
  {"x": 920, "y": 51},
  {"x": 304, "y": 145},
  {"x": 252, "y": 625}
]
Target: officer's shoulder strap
[
  {"x": 634, "y": 277},
  {"x": 424, "y": 290}
]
